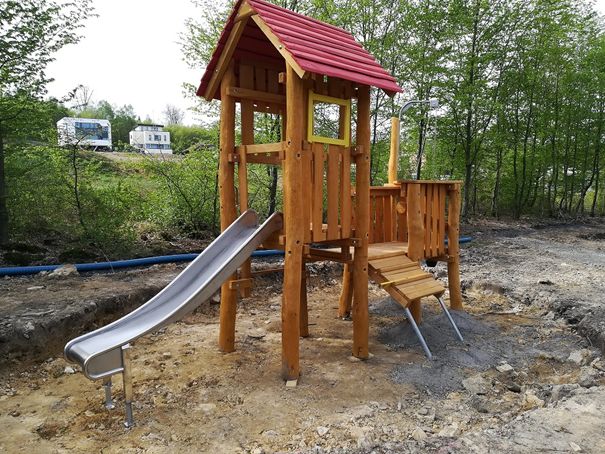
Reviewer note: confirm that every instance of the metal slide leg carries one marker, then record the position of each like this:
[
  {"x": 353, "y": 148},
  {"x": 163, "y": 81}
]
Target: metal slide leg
[
  {"x": 425, "y": 347},
  {"x": 108, "y": 400},
  {"x": 127, "y": 378},
  {"x": 449, "y": 316}
]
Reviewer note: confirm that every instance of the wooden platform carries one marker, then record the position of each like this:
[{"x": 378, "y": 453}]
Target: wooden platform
[{"x": 400, "y": 276}]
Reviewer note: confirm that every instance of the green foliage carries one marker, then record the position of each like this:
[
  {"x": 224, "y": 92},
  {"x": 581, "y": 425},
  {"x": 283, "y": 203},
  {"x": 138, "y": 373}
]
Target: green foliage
[
  {"x": 43, "y": 201},
  {"x": 521, "y": 84},
  {"x": 190, "y": 138},
  {"x": 31, "y": 32},
  {"x": 186, "y": 194}
]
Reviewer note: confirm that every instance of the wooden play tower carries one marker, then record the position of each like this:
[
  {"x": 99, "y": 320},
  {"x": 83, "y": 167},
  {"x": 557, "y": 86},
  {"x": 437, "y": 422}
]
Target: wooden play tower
[{"x": 272, "y": 60}]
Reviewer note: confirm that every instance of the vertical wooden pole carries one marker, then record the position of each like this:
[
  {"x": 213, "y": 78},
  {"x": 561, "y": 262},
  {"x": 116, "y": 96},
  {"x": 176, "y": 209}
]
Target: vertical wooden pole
[
  {"x": 453, "y": 233},
  {"x": 294, "y": 228},
  {"x": 246, "y": 77},
  {"x": 346, "y": 294},
  {"x": 227, "y": 205},
  {"x": 362, "y": 202},
  {"x": 415, "y": 222},
  {"x": 304, "y": 311},
  {"x": 394, "y": 151}
]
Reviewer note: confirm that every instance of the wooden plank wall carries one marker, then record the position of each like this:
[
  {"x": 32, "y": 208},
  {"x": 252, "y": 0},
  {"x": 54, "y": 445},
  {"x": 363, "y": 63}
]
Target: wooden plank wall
[
  {"x": 387, "y": 222},
  {"x": 330, "y": 204},
  {"x": 265, "y": 79},
  {"x": 389, "y": 208}
]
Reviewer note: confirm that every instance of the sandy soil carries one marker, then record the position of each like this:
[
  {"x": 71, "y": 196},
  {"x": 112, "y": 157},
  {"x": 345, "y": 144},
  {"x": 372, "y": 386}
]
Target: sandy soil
[{"x": 526, "y": 379}]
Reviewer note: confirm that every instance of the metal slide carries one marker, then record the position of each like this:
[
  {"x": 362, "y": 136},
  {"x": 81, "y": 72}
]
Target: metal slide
[{"x": 104, "y": 352}]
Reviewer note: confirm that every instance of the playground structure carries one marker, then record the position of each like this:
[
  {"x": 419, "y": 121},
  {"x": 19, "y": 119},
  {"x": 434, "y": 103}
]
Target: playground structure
[{"x": 271, "y": 60}]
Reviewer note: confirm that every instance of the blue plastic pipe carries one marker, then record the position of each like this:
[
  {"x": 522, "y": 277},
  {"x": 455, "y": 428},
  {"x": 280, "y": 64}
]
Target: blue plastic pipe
[
  {"x": 102, "y": 266},
  {"x": 146, "y": 261}
]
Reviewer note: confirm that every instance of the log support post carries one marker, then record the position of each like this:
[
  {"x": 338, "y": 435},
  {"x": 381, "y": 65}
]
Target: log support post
[
  {"x": 247, "y": 136},
  {"x": 227, "y": 206},
  {"x": 346, "y": 294},
  {"x": 304, "y": 311},
  {"x": 294, "y": 229},
  {"x": 453, "y": 247},
  {"x": 362, "y": 200}
]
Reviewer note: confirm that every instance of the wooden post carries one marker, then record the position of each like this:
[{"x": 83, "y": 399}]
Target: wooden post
[
  {"x": 346, "y": 294},
  {"x": 453, "y": 248},
  {"x": 227, "y": 206},
  {"x": 294, "y": 229},
  {"x": 415, "y": 222},
  {"x": 246, "y": 79},
  {"x": 304, "y": 311},
  {"x": 394, "y": 151},
  {"x": 362, "y": 225}
]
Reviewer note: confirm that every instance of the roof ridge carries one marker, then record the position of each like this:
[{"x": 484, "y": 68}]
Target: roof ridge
[{"x": 301, "y": 16}]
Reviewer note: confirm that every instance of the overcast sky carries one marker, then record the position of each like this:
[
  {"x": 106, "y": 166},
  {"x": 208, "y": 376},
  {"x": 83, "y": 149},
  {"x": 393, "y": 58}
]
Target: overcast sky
[{"x": 130, "y": 55}]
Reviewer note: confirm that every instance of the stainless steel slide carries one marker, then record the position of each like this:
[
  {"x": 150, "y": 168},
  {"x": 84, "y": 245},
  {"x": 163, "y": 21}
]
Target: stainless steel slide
[{"x": 100, "y": 353}]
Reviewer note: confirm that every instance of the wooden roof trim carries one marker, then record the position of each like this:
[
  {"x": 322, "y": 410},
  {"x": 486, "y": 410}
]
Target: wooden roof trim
[
  {"x": 279, "y": 46},
  {"x": 227, "y": 53}
]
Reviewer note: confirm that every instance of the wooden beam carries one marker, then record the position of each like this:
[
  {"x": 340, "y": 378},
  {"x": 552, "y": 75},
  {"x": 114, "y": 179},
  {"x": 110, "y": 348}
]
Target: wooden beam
[
  {"x": 276, "y": 147},
  {"x": 294, "y": 230},
  {"x": 415, "y": 223},
  {"x": 225, "y": 59},
  {"x": 453, "y": 248},
  {"x": 245, "y": 11},
  {"x": 304, "y": 310},
  {"x": 362, "y": 202},
  {"x": 291, "y": 62},
  {"x": 227, "y": 206},
  {"x": 246, "y": 80},
  {"x": 257, "y": 95},
  {"x": 346, "y": 294},
  {"x": 264, "y": 159}
]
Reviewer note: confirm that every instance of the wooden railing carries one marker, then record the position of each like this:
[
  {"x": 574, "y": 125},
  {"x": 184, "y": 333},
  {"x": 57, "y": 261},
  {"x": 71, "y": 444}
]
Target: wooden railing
[
  {"x": 327, "y": 200},
  {"x": 421, "y": 213}
]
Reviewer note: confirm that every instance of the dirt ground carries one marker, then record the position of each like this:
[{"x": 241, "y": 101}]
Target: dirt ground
[{"x": 529, "y": 377}]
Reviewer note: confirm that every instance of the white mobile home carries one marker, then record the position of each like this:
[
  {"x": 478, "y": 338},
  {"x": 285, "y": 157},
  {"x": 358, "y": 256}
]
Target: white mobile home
[
  {"x": 151, "y": 139},
  {"x": 85, "y": 132}
]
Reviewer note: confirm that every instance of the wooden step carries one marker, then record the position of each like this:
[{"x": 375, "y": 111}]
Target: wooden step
[{"x": 403, "y": 278}]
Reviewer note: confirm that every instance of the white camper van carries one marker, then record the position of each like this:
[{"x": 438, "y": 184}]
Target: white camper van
[{"x": 85, "y": 132}]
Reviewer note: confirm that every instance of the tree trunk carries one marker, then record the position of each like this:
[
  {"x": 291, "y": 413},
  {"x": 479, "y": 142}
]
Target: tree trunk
[
  {"x": 3, "y": 195},
  {"x": 272, "y": 190}
]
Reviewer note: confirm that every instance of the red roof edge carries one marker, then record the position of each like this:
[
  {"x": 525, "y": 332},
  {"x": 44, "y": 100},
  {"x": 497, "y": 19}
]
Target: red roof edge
[{"x": 319, "y": 59}]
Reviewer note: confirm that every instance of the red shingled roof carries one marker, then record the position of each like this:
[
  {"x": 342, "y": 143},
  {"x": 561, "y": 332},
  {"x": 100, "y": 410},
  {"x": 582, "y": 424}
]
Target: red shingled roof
[{"x": 315, "y": 46}]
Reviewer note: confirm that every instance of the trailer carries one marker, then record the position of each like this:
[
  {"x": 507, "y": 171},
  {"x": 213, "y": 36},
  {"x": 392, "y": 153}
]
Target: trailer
[{"x": 85, "y": 133}]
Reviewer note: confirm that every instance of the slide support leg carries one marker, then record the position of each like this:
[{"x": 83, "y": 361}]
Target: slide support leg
[
  {"x": 108, "y": 400},
  {"x": 127, "y": 378},
  {"x": 449, "y": 317},
  {"x": 425, "y": 347}
]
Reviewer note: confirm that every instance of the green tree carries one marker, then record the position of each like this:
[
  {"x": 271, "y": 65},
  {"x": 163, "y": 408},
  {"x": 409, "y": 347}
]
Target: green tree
[{"x": 31, "y": 32}]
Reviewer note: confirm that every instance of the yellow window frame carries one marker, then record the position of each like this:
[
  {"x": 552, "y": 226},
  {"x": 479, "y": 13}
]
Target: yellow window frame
[{"x": 314, "y": 98}]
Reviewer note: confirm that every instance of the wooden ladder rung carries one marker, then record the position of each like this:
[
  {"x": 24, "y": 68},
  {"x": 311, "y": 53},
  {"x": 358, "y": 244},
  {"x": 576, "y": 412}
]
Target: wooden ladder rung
[{"x": 405, "y": 280}]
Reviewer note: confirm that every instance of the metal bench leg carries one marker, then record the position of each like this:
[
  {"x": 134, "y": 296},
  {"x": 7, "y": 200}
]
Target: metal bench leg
[
  {"x": 108, "y": 400},
  {"x": 127, "y": 378},
  {"x": 425, "y": 347},
  {"x": 449, "y": 317}
]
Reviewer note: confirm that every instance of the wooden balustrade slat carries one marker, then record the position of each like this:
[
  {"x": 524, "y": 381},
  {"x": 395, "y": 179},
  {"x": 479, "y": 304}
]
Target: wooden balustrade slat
[
  {"x": 388, "y": 218},
  {"x": 318, "y": 181},
  {"x": 307, "y": 195},
  {"x": 334, "y": 152},
  {"x": 345, "y": 215}
]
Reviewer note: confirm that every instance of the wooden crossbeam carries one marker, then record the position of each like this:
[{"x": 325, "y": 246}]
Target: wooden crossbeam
[{"x": 256, "y": 95}]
